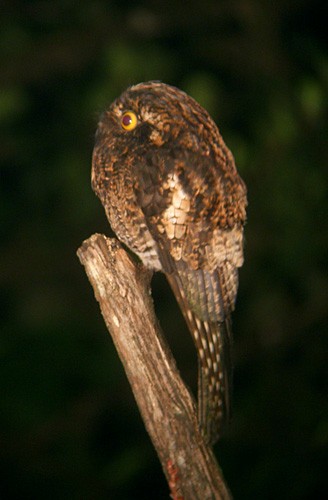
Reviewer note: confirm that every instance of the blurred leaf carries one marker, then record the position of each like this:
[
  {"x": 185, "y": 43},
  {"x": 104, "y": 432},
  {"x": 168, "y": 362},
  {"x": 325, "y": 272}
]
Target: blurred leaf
[
  {"x": 13, "y": 104},
  {"x": 312, "y": 99}
]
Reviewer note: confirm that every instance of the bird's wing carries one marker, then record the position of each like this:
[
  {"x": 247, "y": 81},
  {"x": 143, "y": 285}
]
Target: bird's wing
[
  {"x": 206, "y": 298},
  {"x": 200, "y": 258}
]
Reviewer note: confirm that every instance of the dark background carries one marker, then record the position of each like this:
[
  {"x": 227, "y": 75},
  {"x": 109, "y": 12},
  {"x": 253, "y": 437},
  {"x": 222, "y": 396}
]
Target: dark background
[{"x": 69, "y": 426}]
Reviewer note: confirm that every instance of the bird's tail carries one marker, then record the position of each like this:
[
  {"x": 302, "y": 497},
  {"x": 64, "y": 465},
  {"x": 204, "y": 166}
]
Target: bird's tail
[{"x": 212, "y": 340}]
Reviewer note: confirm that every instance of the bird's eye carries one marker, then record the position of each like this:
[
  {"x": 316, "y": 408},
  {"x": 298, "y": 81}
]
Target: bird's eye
[{"x": 129, "y": 120}]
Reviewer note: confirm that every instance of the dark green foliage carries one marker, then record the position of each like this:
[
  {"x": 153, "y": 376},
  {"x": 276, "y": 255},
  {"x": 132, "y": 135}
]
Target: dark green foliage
[{"x": 69, "y": 424}]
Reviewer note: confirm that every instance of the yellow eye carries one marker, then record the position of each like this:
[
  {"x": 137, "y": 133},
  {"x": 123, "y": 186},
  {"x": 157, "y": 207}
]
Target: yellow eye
[{"x": 129, "y": 120}]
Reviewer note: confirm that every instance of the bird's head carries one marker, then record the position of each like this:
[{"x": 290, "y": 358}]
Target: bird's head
[{"x": 154, "y": 114}]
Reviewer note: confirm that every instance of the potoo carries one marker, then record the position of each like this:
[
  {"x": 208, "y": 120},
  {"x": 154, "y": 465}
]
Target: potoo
[{"x": 172, "y": 194}]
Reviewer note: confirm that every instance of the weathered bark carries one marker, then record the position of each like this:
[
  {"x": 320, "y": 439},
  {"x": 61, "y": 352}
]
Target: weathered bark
[{"x": 122, "y": 289}]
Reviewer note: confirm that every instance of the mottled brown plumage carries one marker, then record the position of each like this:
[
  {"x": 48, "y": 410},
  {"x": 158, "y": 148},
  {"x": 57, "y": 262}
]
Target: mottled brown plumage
[{"x": 172, "y": 194}]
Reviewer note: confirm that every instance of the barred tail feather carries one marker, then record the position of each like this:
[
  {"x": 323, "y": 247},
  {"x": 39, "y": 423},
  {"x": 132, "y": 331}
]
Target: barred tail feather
[{"x": 212, "y": 340}]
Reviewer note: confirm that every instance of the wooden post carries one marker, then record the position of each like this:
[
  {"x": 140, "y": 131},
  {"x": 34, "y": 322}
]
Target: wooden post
[{"x": 122, "y": 289}]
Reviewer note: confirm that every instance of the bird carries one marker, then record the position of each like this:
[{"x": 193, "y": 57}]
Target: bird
[{"x": 172, "y": 194}]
